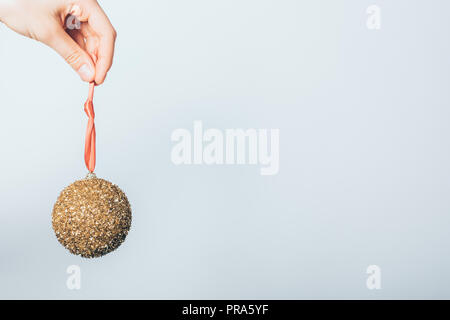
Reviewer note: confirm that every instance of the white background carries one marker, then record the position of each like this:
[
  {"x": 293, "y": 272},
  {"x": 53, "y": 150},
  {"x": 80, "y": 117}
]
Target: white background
[{"x": 364, "y": 152}]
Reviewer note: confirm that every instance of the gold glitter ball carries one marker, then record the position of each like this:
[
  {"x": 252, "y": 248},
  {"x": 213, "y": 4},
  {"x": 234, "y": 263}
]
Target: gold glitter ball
[{"x": 91, "y": 217}]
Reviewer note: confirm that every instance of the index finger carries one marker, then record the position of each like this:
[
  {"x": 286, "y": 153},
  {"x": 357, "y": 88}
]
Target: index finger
[{"x": 101, "y": 25}]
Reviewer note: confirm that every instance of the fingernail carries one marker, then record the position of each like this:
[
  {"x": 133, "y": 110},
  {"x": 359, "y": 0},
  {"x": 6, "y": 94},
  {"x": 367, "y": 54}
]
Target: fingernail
[{"x": 86, "y": 73}]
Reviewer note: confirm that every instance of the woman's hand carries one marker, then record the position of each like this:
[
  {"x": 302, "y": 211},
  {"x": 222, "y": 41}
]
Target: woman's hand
[{"x": 79, "y": 41}]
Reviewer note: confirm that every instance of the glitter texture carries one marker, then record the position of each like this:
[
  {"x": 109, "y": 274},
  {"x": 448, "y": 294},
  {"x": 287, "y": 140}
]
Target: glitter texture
[{"x": 91, "y": 217}]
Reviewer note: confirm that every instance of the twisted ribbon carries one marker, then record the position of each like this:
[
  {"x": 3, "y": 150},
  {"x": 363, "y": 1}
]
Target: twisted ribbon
[{"x": 89, "y": 144}]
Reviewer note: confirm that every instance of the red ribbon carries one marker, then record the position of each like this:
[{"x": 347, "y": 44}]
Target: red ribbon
[{"x": 89, "y": 145}]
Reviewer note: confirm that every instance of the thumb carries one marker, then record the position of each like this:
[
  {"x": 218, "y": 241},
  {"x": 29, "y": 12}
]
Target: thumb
[{"x": 74, "y": 55}]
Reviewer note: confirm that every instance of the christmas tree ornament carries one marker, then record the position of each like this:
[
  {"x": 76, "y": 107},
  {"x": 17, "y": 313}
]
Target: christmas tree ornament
[{"x": 92, "y": 216}]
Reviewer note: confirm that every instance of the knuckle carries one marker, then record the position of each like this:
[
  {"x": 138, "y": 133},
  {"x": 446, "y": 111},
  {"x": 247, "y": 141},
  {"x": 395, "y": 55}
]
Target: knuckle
[{"x": 73, "y": 58}]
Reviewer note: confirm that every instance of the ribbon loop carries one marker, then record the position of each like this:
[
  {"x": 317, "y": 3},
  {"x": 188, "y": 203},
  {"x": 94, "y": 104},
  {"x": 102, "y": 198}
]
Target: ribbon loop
[{"x": 89, "y": 144}]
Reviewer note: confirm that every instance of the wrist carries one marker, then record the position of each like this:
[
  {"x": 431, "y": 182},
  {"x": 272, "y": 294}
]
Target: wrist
[
  {"x": 2, "y": 9},
  {"x": 4, "y": 5}
]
